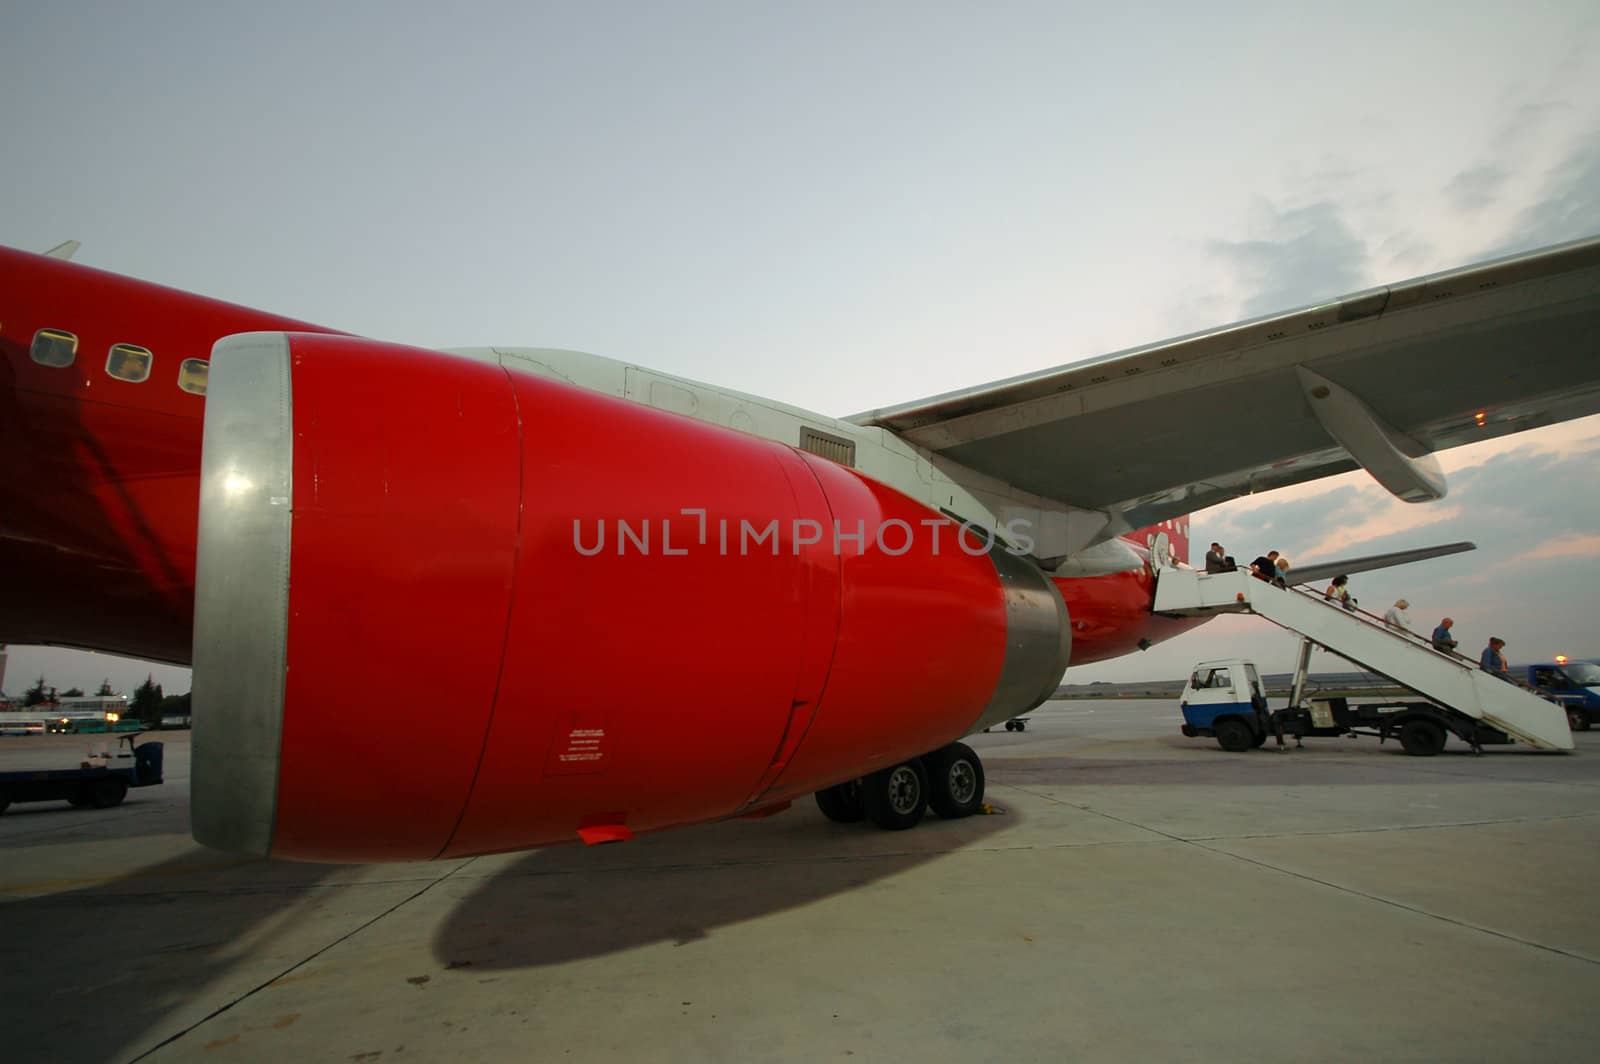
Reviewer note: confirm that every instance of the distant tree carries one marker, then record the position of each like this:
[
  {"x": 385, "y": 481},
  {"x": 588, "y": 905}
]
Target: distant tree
[
  {"x": 146, "y": 704},
  {"x": 105, "y": 689},
  {"x": 175, "y": 705},
  {"x": 36, "y": 694},
  {"x": 72, "y": 692}
]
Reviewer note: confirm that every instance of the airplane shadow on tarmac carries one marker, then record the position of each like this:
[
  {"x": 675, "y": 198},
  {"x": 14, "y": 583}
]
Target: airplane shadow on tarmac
[
  {"x": 55, "y": 823},
  {"x": 90, "y": 972},
  {"x": 568, "y": 903}
]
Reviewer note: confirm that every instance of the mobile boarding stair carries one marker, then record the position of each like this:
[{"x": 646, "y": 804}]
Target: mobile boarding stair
[{"x": 1405, "y": 658}]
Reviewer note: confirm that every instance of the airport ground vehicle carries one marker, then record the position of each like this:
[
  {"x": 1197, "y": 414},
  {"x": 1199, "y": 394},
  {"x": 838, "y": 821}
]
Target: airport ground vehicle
[
  {"x": 100, "y": 785},
  {"x": 1015, "y": 724},
  {"x": 21, "y": 724},
  {"x": 1575, "y": 684},
  {"x": 93, "y": 725},
  {"x": 1225, "y": 699}
]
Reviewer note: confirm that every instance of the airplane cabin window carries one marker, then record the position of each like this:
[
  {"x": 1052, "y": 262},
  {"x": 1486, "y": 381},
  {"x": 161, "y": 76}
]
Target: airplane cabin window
[
  {"x": 53, "y": 347},
  {"x": 128, "y": 362},
  {"x": 192, "y": 375}
]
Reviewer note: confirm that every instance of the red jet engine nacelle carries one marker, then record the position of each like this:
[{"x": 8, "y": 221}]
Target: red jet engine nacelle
[{"x": 447, "y": 608}]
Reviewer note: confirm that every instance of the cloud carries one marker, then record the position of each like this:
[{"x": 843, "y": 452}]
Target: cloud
[
  {"x": 1406, "y": 252},
  {"x": 1477, "y": 188},
  {"x": 1393, "y": 518},
  {"x": 1566, "y": 545},
  {"x": 1523, "y": 123},
  {"x": 1307, "y": 254},
  {"x": 1567, "y": 207},
  {"x": 1345, "y": 520}
]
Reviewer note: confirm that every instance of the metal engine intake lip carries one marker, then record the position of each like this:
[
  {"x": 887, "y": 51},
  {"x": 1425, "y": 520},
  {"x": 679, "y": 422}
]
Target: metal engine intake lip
[{"x": 241, "y": 615}]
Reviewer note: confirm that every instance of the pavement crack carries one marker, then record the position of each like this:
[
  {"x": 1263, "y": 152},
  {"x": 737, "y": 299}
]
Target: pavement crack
[
  {"x": 301, "y": 963},
  {"x": 1201, "y": 844},
  {"x": 1378, "y": 829},
  {"x": 1467, "y": 924}
]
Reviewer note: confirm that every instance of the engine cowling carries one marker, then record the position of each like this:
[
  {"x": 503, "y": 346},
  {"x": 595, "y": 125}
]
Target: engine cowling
[{"x": 445, "y": 608}]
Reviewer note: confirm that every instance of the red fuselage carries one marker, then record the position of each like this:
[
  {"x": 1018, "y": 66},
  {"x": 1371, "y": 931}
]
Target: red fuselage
[{"x": 99, "y": 485}]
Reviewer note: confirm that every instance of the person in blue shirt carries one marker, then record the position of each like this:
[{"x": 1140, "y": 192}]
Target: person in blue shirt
[
  {"x": 1492, "y": 661},
  {"x": 1442, "y": 639}
]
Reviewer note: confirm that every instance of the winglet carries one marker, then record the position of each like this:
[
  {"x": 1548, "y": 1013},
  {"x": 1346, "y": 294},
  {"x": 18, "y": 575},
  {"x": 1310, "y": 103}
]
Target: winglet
[{"x": 64, "y": 250}]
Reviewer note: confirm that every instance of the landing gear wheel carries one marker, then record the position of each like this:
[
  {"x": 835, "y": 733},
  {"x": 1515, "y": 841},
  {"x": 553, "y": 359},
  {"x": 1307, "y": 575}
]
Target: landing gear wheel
[
  {"x": 896, "y": 797},
  {"x": 1421, "y": 738},
  {"x": 842, "y": 804},
  {"x": 1577, "y": 718},
  {"x": 103, "y": 794},
  {"x": 955, "y": 781},
  {"x": 1234, "y": 735}
]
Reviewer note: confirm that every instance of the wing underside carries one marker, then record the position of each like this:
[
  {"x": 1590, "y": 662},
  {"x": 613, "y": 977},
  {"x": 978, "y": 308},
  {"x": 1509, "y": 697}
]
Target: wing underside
[{"x": 1173, "y": 427}]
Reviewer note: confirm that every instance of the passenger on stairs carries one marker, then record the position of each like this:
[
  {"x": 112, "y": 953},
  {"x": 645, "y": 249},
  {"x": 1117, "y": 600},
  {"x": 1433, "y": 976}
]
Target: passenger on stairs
[
  {"x": 1280, "y": 575},
  {"x": 1396, "y": 617},
  {"x": 1339, "y": 593},
  {"x": 1217, "y": 560},
  {"x": 1494, "y": 662},
  {"x": 1442, "y": 639},
  {"x": 1265, "y": 567}
]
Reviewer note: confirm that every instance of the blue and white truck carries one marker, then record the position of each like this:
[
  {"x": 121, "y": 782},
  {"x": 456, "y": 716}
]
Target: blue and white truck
[
  {"x": 1575, "y": 684},
  {"x": 1227, "y": 701}
]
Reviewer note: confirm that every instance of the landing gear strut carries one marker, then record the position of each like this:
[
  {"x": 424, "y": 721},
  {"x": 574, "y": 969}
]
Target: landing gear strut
[{"x": 950, "y": 780}]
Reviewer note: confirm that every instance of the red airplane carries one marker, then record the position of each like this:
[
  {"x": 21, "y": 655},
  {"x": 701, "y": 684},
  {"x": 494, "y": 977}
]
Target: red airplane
[{"x": 661, "y": 602}]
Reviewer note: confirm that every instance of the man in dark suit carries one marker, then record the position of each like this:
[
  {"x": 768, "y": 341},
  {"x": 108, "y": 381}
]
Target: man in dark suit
[{"x": 1265, "y": 567}]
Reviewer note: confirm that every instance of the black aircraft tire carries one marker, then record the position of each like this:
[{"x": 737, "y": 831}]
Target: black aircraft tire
[
  {"x": 896, "y": 797},
  {"x": 842, "y": 804},
  {"x": 1421, "y": 738},
  {"x": 1234, "y": 735},
  {"x": 955, "y": 781}
]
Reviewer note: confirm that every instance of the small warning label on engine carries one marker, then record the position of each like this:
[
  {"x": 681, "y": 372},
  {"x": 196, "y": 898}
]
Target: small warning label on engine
[{"x": 580, "y": 747}]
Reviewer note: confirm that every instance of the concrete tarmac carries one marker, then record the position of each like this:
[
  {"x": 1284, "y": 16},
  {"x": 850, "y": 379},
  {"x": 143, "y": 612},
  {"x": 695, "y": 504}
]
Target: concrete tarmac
[{"x": 1142, "y": 897}]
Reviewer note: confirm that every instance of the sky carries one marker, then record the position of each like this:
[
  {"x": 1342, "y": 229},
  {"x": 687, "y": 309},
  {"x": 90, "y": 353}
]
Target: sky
[{"x": 847, "y": 206}]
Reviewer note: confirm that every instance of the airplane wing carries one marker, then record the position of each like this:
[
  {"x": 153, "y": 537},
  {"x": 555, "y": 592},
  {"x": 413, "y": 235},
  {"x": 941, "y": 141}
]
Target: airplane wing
[
  {"x": 1379, "y": 379},
  {"x": 1310, "y": 574}
]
